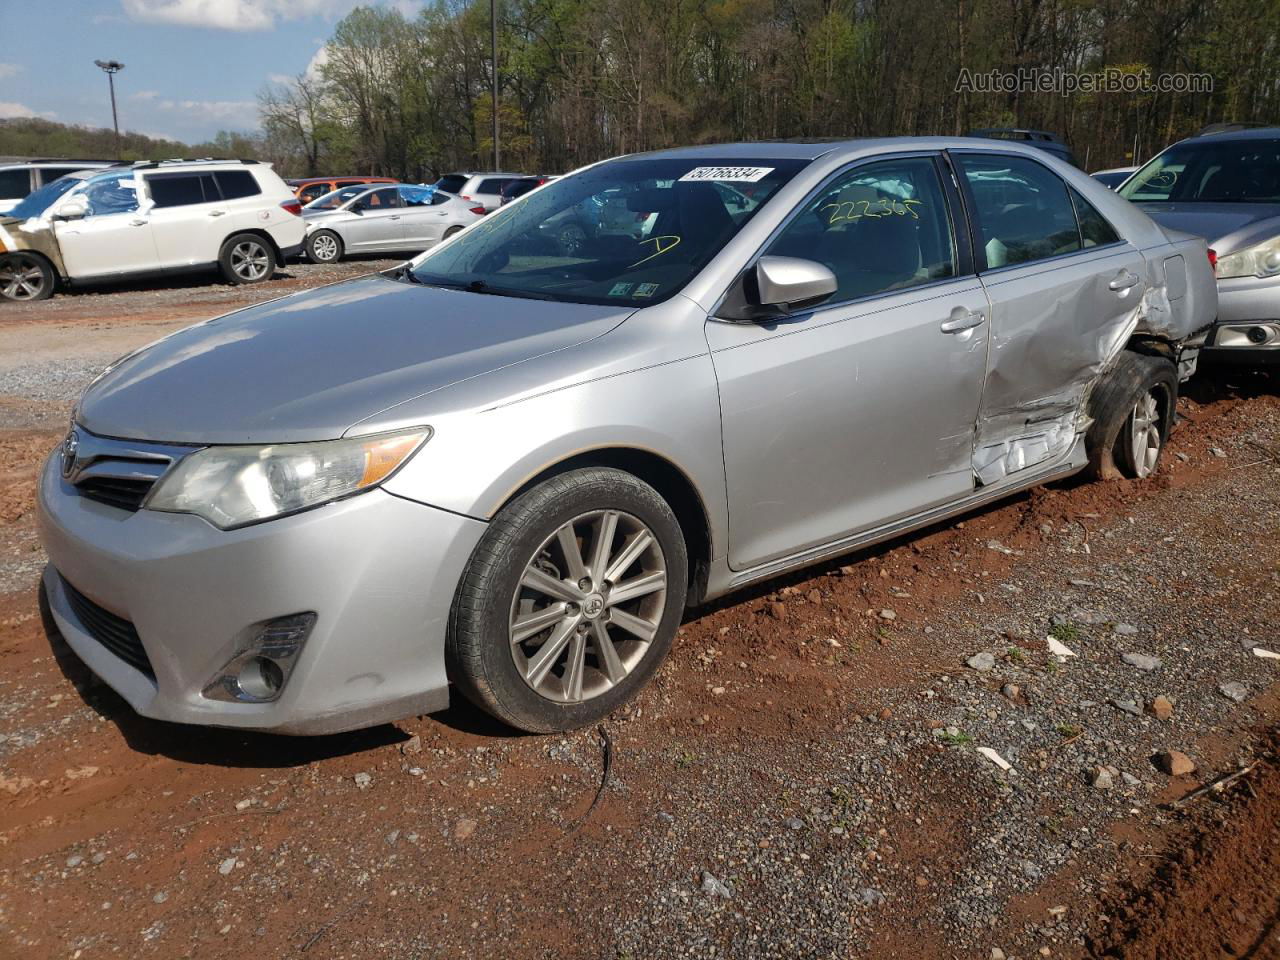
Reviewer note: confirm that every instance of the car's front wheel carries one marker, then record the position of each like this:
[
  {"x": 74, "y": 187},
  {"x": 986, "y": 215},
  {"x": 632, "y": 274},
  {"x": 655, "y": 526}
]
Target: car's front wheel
[
  {"x": 570, "y": 601},
  {"x": 324, "y": 246},
  {"x": 247, "y": 258},
  {"x": 1132, "y": 409},
  {"x": 26, "y": 277}
]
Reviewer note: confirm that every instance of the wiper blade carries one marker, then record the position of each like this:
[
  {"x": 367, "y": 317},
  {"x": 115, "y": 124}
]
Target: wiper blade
[
  {"x": 403, "y": 272},
  {"x": 482, "y": 286}
]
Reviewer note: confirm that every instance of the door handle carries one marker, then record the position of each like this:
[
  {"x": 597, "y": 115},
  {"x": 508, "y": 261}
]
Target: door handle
[
  {"x": 396, "y": 217},
  {"x": 962, "y": 319},
  {"x": 1123, "y": 281},
  {"x": 217, "y": 213},
  {"x": 137, "y": 223}
]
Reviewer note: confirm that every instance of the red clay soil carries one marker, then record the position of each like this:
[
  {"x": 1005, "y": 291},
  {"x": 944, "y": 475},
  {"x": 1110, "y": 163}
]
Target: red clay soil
[{"x": 1218, "y": 892}]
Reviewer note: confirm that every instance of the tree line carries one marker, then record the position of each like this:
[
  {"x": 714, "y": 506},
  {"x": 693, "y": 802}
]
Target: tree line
[{"x": 580, "y": 80}]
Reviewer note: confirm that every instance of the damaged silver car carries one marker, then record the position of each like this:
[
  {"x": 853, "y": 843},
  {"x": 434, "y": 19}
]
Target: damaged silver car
[{"x": 505, "y": 470}]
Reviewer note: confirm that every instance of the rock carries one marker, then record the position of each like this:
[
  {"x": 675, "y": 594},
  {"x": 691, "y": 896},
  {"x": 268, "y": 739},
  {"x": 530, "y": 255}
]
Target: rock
[
  {"x": 715, "y": 888},
  {"x": 995, "y": 758},
  {"x": 1175, "y": 763},
  {"x": 1102, "y": 778},
  {"x": 1182, "y": 456},
  {"x": 1128, "y": 706},
  {"x": 870, "y": 896},
  {"x": 75, "y": 861},
  {"x": 793, "y": 823},
  {"x": 778, "y": 610},
  {"x": 1265, "y": 654},
  {"x": 999, "y": 547},
  {"x": 1161, "y": 707},
  {"x": 1235, "y": 690},
  {"x": 160, "y": 897},
  {"x": 1030, "y": 870},
  {"x": 363, "y": 780},
  {"x": 815, "y": 596},
  {"x": 243, "y": 804},
  {"x": 227, "y": 865},
  {"x": 1125, "y": 629},
  {"x": 1217, "y": 451},
  {"x": 997, "y": 954},
  {"x": 81, "y": 773},
  {"x": 885, "y": 713},
  {"x": 1142, "y": 661},
  {"x": 412, "y": 745},
  {"x": 1129, "y": 779},
  {"x": 1059, "y": 649},
  {"x": 1058, "y": 912},
  {"x": 464, "y": 828},
  {"x": 982, "y": 662},
  {"x": 887, "y": 614},
  {"x": 1011, "y": 691}
]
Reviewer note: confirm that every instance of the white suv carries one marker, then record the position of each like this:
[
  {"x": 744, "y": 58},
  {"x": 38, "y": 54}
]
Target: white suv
[{"x": 150, "y": 218}]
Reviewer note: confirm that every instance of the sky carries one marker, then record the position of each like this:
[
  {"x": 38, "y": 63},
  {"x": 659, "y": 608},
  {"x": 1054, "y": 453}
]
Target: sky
[{"x": 192, "y": 67}]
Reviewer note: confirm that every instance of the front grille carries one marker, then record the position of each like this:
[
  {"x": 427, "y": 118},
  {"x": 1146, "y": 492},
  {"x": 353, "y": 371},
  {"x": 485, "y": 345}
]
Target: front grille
[
  {"x": 114, "y": 633},
  {"x": 127, "y": 494}
]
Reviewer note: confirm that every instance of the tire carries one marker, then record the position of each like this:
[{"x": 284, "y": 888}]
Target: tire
[
  {"x": 572, "y": 238},
  {"x": 500, "y": 624},
  {"x": 26, "y": 278},
  {"x": 452, "y": 231},
  {"x": 247, "y": 258},
  {"x": 1132, "y": 409},
  {"x": 325, "y": 246}
]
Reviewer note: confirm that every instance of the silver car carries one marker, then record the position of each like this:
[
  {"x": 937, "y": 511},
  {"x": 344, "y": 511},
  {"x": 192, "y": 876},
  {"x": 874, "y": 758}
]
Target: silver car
[
  {"x": 395, "y": 219},
  {"x": 505, "y": 471},
  {"x": 1225, "y": 187}
]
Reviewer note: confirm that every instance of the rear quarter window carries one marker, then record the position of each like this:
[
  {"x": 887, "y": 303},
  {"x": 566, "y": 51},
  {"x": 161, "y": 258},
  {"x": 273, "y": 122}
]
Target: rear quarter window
[
  {"x": 453, "y": 183},
  {"x": 492, "y": 186},
  {"x": 237, "y": 184},
  {"x": 181, "y": 189}
]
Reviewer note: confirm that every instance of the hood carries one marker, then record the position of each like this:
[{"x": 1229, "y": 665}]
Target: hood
[
  {"x": 1226, "y": 226},
  {"x": 309, "y": 366}
]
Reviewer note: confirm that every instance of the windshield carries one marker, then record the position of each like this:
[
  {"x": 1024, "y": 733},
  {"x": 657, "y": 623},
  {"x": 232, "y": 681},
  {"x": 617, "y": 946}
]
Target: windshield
[
  {"x": 1230, "y": 171},
  {"x": 38, "y": 202},
  {"x": 332, "y": 201},
  {"x": 628, "y": 232}
]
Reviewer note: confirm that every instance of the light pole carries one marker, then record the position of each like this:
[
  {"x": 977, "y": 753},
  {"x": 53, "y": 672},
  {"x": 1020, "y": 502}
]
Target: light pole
[
  {"x": 493, "y": 23},
  {"x": 111, "y": 68}
]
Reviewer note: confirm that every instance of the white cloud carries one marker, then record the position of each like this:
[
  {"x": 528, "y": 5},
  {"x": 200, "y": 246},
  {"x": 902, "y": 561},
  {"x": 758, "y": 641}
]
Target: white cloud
[
  {"x": 319, "y": 60},
  {"x": 9, "y": 70},
  {"x": 237, "y": 113},
  {"x": 20, "y": 111},
  {"x": 145, "y": 95},
  {"x": 231, "y": 14}
]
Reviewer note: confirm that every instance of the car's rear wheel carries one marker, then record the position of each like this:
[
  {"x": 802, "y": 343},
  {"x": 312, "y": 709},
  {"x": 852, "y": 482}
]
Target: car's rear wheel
[
  {"x": 572, "y": 239},
  {"x": 26, "y": 277},
  {"x": 324, "y": 246},
  {"x": 247, "y": 258},
  {"x": 570, "y": 601},
  {"x": 1132, "y": 409}
]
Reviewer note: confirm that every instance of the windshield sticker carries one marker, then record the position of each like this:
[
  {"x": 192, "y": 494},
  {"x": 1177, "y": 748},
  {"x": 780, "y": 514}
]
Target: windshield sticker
[
  {"x": 661, "y": 245},
  {"x": 646, "y": 289},
  {"x": 727, "y": 174},
  {"x": 620, "y": 290}
]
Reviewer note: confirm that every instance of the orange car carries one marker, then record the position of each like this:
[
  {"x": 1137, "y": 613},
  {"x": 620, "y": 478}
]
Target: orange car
[{"x": 313, "y": 188}]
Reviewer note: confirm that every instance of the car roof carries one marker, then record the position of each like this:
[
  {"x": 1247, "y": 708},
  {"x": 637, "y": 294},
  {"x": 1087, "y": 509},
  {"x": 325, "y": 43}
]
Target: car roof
[
  {"x": 1252, "y": 133},
  {"x": 364, "y": 178},
  {"x": 853, "y": 147}
]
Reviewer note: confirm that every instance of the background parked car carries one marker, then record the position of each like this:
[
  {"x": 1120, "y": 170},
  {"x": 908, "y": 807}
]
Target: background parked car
[
  {"x": 518, "y": 188},
  {"x": 1225, "y": 187},
  {"x": 312, "y": 188},
  {"x": 1113, "y": 177},
  {"x": 1040, "y": 139},
  {"x": 398, "y": 218},
  {"x": 150, "y": 218},
  {"x": 484, "y": 188},
  {"x": 20, "y": 177}
]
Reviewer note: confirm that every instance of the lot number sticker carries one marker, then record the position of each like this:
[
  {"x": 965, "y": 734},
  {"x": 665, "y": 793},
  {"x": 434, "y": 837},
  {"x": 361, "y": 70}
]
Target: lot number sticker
[{"x": 728, "y": 174}]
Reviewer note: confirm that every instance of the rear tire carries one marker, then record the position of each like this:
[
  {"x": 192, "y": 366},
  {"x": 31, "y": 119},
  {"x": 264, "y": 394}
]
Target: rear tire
[
  {"x": 1132, "y": 409},
  {"x": 247, "y": 258},
  {"x": 539, "y": 636},
  {"x": 324, "y": 246},
  {"x": 26, "y": 278},
  {"x": 452, "y": 231}
]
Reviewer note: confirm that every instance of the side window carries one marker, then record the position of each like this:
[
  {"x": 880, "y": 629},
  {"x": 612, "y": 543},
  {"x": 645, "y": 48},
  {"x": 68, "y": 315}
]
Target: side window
[
  {"x": 348, "y": 183},
  {"x": 1094, "y": 229},
  {"x": 883, "y": 226},
  {"x": 417, "y": 196},
  {"x": 314, "y": 192},
  {"x": 438, "y": 198},
  {"x": 116, "y": 193},
  {"x": 50, "y": 174},
  {"x": 1023, "y": 210},
  {"x": 178, "y": 189},
  {"x": 382, "y": 199},
  {"x": 238, "y": 184},
  {"x": 15, "y": 184},
  {"x": 491, "y": 186}
]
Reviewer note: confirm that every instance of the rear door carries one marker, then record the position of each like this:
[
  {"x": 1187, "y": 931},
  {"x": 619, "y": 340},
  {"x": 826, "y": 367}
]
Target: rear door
[
  {"x": 851, "y": 415},
  {"x": 424, "y": 216},
  {"x": 1065, "y": 293},
  {"x": 187, "y": 217}
]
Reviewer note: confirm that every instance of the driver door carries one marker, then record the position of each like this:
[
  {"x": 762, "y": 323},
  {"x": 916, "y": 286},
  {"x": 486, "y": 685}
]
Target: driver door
[
  {"x": 846, "y": 417},
  {"x": 378, "y": 224},
  {"x": 114, "y": 236}
]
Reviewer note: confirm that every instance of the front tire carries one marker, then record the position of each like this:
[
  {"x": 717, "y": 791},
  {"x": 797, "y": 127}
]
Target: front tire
[
  {"x": 570, "y": 601},
  {"x": 1132, "y": 409},
  {"x": 324, "y": 246},
  {"x": 247, "y": 258},
  {"x": 25, "y": 278}
]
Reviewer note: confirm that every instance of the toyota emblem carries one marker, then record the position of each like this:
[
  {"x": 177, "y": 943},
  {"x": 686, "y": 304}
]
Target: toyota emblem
[{"x": 69, "y": 448}]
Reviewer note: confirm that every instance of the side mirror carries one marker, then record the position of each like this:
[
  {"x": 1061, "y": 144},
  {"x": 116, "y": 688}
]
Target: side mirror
[
  {"x": 357, "y": 207},
  {"x": 73, "y": 208},
  {"x": 790, "y": 282}
]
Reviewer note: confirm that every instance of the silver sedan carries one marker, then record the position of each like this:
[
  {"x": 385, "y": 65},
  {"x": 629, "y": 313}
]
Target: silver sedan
[
  {"x": 504, "y": 470},
  {"x": 395, "y": 219}
]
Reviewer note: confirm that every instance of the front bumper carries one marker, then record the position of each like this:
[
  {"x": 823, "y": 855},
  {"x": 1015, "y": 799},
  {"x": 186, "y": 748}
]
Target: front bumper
[
  {"x": 379, "y": 572},
  {"x": 1248, "y": 326}
]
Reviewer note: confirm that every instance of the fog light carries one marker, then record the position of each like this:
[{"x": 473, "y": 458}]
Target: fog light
[
  {"x": 1257, "y": 334},
  {"x": 261, "y": 668}
]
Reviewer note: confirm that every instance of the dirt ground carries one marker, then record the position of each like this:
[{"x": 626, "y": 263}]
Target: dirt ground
[{"x": 803, "y": 779}]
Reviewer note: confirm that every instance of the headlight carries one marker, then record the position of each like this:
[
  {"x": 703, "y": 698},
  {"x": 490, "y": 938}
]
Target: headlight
[
  {"x": 1262, "y": 260},
  {"x": 232, "y": 486}
]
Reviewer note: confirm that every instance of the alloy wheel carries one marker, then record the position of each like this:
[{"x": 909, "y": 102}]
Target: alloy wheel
[
  {"x": 250, "y": 260},
  {"x": 1144, "y": 434},
  {"x": 588, "y": 606},
  {"x": 325, "y": 248},
  {"x": 572, "y": 239},
  {"x": 22, "y": 279}
]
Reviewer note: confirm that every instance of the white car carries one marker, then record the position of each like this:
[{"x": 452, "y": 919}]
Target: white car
[
  {"x": 383, "y": 219},
  {"x": 21, "y": 178},
  {"x": 484, "y": 188},
  {"x": 236, "y": 216}
]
